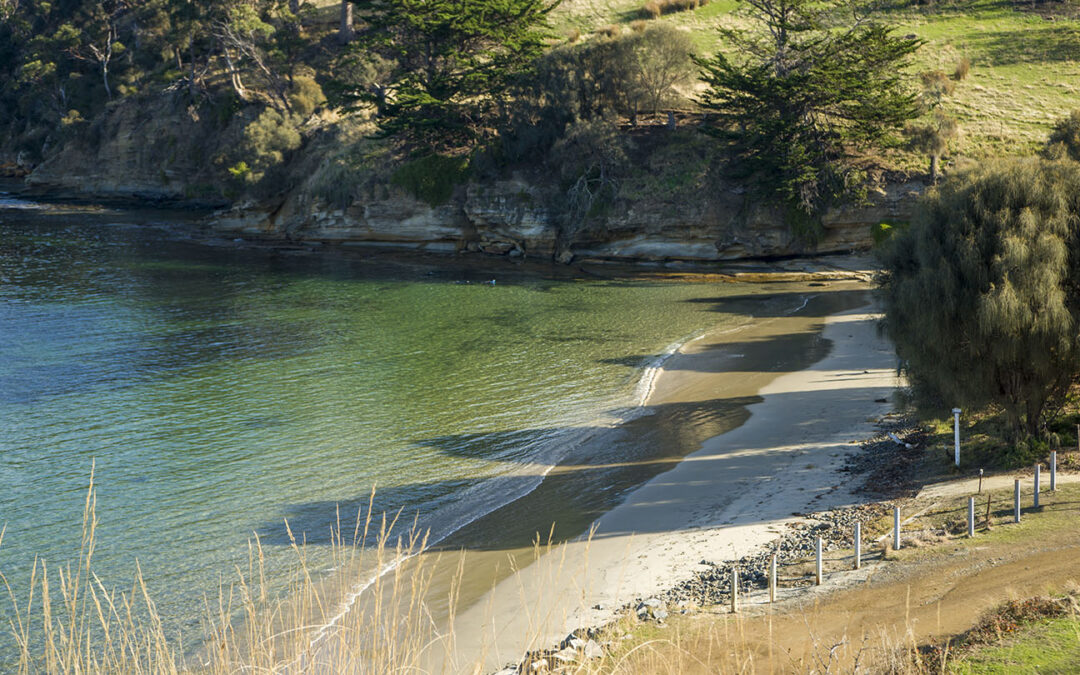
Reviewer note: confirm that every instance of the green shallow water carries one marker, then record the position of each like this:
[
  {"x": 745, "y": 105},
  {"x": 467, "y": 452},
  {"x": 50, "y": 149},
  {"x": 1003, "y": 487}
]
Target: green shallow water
[{"x": 220, "y": 390}]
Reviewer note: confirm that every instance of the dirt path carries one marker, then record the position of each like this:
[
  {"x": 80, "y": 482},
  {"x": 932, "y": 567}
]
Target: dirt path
[{"x": 922, "y": 596}]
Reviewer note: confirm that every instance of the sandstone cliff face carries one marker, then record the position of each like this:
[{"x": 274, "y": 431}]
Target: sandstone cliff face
[
  {"x": 155, "y": 153},
  {"x": 511, "y": 218}
]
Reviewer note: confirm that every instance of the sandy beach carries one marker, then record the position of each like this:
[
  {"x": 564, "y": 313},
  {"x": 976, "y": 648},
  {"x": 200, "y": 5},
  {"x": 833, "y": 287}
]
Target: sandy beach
[{"x": 777, "y": 459}]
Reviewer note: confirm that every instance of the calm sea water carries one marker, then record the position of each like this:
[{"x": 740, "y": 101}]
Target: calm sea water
[{"x": 218, "y": 390}]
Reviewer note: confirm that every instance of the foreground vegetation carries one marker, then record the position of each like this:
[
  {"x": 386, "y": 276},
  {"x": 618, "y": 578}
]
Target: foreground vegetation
[{"x": 63, "y": 619}]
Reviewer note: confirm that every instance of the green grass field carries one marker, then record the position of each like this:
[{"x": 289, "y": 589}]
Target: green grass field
[
  {"x": 1025, "y": 65},
  {"x": 1051, "y": 646}
]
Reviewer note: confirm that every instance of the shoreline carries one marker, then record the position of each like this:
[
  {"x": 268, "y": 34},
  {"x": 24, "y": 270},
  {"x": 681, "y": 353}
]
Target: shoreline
[
  {"x": 704, "y": 506},
  {"x": 779, "y": 333},
  {"x": 199, "y": 228}
]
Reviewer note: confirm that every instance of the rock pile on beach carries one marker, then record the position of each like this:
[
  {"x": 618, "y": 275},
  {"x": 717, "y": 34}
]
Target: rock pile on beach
[
  {"x": 578, "y": 648},
  {"x": 887, "y": 460},
  {"x": 836, "y": 529}
]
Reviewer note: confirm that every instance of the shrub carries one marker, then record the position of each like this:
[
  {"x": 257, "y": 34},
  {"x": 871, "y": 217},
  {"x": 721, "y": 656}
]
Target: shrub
[
  {"x": 982, "y": 291},
  {"x": 881, "y": 232},
  {"x": 654, "y": 8},
  {"x": 267, "y": 140},
  {"x": 431, "y": 178},
  {"x": 963, "y": 67},
  {"x": 600, "y": 79},
  {"x": 936, "y": 85},
  {"x": 932, "y": 138},
  {"x": 638, "y": 26},
  {"x": 1065, "y": 138},
  {"x": 263, "y": 147},
  {"x": 305, "y": 96},
  {"x": 609, "y": 31}
]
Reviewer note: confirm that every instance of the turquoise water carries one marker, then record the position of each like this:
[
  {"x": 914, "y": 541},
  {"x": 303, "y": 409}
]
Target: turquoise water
[{"x": 218, "y": 389}]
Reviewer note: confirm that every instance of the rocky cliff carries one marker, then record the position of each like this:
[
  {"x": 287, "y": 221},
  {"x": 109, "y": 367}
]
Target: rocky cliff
[
  {"x": 511, "y": 217},
  {"x": 677, "y": 210}
]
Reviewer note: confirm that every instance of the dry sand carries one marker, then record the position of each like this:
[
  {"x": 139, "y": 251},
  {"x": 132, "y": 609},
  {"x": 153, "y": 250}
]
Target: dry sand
[{"x": 720, "y": 502}]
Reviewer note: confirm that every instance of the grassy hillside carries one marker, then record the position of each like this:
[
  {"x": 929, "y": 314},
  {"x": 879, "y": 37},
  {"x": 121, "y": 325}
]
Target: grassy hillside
[{"x": 1024, "y": 63}]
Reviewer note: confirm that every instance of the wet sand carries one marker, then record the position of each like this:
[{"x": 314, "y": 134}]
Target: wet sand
[{"x": 748, "y": 427}]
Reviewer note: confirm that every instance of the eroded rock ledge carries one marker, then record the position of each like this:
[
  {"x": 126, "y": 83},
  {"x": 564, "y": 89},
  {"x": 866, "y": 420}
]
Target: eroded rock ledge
[{"x": 511, "y": 218}]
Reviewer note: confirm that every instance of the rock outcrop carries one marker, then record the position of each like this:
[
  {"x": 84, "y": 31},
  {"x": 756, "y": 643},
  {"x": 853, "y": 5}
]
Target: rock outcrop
[{"x": 512, "y": 218}]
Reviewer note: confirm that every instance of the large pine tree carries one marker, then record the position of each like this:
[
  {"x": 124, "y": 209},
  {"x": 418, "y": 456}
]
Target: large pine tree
[
  {"x": 800, "y": 98},
  {"x": 452, "y": 60}
]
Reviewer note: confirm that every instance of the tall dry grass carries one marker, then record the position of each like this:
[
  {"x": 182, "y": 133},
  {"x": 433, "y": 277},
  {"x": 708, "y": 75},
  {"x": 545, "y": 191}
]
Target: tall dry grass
[{"x": 65, "y": 620}]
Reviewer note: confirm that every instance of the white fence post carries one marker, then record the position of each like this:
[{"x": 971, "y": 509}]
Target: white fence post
[
  {"x": 1016, "y": 501},
  {"x": 858, "y": 545},
  {"x": 896, "y": 528},
  {"x": 956, "y": 433},
  {"x": 971, "y": 517},
  {"x": 734, "y": 589},
  {"x": 817, "y": 564}
]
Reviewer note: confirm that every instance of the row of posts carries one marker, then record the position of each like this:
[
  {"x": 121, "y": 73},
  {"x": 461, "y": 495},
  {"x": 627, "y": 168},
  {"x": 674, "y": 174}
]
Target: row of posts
[{"x": 896, "y": 543}]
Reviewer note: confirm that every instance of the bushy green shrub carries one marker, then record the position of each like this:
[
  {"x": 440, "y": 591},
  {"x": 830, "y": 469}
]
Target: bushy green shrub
[
  {"x": 263, "y": 147},
  {"x": 1024, "y": 452},
  {"x": 641, "y": 72},
  {"x": 982, "y": 291},
  {"x": 432, "y": 178},
  {"x": 1064, "y": 140},
  {"x": 305, "y": 96}
]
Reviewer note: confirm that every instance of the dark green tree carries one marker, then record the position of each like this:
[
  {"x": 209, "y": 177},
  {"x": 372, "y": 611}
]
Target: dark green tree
[
  {"x": 452, "y": 61},
  {"x": 800, "y": 98},
  {"x": 982, "y": 291},
  {"x": 1064, "y": 139}
]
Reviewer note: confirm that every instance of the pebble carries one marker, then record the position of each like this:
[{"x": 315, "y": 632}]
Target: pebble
[{"x": 593, "y": 650}]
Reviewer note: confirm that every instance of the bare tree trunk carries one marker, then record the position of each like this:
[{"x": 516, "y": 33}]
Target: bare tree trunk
[
  {"x": 345, "y": 34},
  {"x": 935, "y": 172},
  {"x": 105, "y": 68},
  {"x": 234, "y": 75}
]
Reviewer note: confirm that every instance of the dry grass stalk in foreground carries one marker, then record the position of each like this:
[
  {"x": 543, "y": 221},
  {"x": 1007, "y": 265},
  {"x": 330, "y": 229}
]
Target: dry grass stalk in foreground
[{"x": 66, "y": 621}]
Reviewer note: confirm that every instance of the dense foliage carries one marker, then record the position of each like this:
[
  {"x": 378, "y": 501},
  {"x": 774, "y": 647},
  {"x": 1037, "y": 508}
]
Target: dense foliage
[
  {"x": 63, "y": 62},
  {"x": 451, "y": 61},
  {"x": 982, "y": 292},
  {"x": 800, "y": 99}
]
